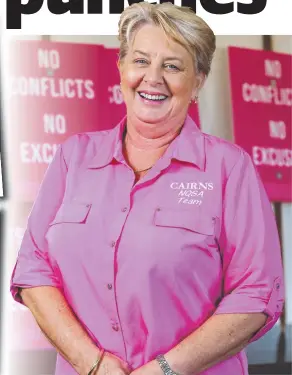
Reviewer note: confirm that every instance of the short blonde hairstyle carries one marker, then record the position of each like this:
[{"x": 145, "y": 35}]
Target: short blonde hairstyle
[{"x": 180, "y": 23}]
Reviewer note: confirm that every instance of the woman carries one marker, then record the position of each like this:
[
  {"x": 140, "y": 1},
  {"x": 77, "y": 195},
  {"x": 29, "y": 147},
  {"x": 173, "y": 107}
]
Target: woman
[{"x": 152, "y": 248}]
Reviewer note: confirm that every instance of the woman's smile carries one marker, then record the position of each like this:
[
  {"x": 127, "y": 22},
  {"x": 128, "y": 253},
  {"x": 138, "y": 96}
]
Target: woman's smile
[{"x": 151, "y": 98}]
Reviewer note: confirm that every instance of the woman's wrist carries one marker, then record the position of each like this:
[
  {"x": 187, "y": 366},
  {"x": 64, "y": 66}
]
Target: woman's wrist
[
  {"x": 172, "y": 363},
  {"x": 94, "y": 363}
]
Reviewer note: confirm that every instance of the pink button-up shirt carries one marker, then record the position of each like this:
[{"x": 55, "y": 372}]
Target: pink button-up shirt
[{"x": 143, "y": 265}]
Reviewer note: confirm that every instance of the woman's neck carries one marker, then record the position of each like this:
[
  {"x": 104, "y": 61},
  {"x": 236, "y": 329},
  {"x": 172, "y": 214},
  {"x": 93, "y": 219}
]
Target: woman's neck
[
  {"x": 142, "y": 152},
  {"x": 147, "y": 143}
]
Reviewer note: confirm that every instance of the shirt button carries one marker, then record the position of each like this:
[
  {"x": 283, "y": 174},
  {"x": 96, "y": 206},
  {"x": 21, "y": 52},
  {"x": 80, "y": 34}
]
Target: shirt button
[
  {"x": 124, "y": 209},
  {"x": 113, "y": 243},
  {"x": 115, "y": 327},
  {"x": 109, "y": 286},
  {"x": 277, "y": 286}
]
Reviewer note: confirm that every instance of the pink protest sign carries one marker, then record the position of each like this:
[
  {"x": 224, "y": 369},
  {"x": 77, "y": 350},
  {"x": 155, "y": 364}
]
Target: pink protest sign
[
  {"x": 56, "y": 90},
  {"x": 261, "y": 87}
]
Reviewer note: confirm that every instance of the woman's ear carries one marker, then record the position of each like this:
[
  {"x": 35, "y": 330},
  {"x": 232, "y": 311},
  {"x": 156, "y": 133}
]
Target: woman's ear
[
  {"x": 119, "y": 66},
  {"x": 118, "y": 63},
  {"x": 199, "y": 83}
]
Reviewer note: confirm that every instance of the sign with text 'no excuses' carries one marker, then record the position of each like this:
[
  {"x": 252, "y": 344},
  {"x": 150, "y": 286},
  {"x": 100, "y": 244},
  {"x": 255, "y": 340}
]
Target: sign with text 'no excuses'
[
  {"x": 261, "y": 85},
  {"x": 56, "y": 90}
]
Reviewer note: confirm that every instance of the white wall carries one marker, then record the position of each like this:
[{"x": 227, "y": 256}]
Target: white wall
[{"x": 282, "y": 43}]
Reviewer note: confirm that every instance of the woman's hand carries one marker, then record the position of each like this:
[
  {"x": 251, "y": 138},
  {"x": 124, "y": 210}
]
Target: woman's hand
[{"x": 112, "y": 365}]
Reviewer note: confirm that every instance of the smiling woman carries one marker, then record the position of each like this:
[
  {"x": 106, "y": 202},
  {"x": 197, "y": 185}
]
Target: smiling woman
[{"x": 152, "y": 248}]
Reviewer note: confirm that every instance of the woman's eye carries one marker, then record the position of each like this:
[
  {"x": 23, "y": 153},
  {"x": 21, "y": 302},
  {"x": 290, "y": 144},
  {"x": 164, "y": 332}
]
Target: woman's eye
[
  {"x": 171, "y": 67},
  {"x": 140, "y": 61}
]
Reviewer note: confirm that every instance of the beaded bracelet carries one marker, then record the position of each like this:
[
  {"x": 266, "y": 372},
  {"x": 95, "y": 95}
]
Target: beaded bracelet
[{"x": 96, "y": 363}]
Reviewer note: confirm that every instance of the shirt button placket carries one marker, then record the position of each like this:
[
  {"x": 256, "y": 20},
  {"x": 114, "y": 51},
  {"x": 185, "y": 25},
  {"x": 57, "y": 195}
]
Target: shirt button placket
[
  {"x": 114, "y": 321},
  {"x": 109, "y": 287}
]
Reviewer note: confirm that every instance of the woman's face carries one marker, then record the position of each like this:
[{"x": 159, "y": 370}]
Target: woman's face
[{"x": 158, "y": 78}]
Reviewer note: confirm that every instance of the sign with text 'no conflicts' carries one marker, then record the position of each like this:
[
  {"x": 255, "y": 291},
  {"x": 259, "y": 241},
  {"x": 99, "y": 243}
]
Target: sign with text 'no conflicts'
[
  {"x": 57, "y": 90},
  {"x": 261, "y": 86}
]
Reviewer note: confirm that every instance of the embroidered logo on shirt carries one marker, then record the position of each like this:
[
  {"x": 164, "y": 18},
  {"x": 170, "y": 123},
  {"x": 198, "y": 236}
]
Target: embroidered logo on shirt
[{"x": 191, "y": 192}]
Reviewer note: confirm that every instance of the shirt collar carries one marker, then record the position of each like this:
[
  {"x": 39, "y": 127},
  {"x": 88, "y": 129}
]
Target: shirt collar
[
  {"x": 111, "y": 147},
  {"x": 188, "y": 147}
]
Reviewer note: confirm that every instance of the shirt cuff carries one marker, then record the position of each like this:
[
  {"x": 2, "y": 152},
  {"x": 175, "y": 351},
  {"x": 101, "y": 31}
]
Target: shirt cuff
[
  {"x": 15, "y": 288},
  {"x": 243, "y": 302},
  {"x": 24, "y": 280}
]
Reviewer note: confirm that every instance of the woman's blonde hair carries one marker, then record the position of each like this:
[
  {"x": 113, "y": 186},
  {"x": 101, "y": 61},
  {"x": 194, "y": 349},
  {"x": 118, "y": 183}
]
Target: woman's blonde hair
[{"x": 178, "y": 22}]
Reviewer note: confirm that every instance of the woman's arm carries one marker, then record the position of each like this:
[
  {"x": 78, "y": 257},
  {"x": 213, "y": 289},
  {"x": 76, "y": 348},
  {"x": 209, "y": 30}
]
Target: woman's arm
[
  {"x": 60, "y": 326},
  {"x": 218, "y": 339},
  {"x": 221, "y": 337},
  {"x": 66, "y": 334}
]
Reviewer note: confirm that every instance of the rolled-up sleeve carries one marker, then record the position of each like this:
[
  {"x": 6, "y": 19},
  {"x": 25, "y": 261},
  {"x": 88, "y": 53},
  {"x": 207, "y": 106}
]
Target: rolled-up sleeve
[
  {"x": 249, "y": 242},
  {"x": 33, "y": 267}
]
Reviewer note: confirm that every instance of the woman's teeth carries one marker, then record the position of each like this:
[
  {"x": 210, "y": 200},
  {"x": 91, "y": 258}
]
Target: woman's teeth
[{"x": 152, "y": 97}]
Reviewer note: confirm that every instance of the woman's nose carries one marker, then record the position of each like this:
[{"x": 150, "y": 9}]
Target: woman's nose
[{"x": 153, "y": 75}]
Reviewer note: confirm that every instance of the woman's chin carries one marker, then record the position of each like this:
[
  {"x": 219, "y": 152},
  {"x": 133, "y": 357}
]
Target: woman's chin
[{"x": 153, "y": 117}]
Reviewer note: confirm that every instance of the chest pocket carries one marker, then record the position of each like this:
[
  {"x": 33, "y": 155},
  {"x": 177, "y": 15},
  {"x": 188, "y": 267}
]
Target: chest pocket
[
  {"x": 185, "y": 219},
  {"x": 72, "y": 212},
  {"x": 186, "y": 231},
  {"x": 69, "y": 231}
]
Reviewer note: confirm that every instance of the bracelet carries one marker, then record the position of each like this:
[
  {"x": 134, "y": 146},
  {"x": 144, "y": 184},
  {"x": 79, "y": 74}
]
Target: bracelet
[
  {"x": 164, "y": 365},
  {"x": 96, "y": 363}
]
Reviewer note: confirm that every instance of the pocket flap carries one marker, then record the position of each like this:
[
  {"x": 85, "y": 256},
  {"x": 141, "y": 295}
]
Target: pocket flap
[
  {"x": 72, "y": 212},
  {"x": 194, "y": 221}
]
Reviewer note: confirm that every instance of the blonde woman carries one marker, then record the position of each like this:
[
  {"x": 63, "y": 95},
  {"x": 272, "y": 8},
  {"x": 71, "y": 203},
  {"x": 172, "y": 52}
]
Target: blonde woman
[{"x": 152, "y": 248}]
